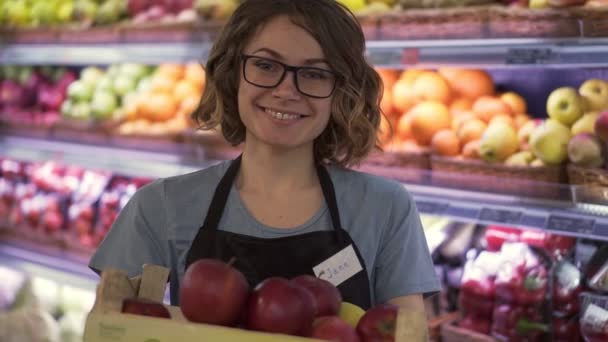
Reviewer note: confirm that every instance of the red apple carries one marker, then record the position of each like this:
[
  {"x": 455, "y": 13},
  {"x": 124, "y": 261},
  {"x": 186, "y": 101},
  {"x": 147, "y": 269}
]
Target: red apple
[
  {"x": 378, "y": 323},
  {"x": 280, "y": 306},
  {"x": 333, "y": 328},
  {"x": 601, "y": 126},
  {"x": 213, "y": 292},
  {"x": 144, "y": 307},
  {"x": 327, "y": 296}
]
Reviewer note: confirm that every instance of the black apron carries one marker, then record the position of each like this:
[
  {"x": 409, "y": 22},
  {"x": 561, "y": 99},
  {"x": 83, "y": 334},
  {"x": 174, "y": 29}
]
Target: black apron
[{"x": 260, "y": 258}]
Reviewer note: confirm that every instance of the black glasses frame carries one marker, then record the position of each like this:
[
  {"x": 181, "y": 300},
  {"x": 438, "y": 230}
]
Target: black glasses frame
[{"x": 287, "y": 68}]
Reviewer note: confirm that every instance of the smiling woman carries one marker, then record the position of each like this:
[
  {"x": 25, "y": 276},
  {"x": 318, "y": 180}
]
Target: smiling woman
[
  {"x": 289, "y": 81},
  {"x": 292, "y": 30}
]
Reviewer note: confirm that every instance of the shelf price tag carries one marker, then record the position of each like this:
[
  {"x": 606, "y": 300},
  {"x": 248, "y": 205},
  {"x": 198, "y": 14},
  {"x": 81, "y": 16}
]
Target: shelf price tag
[
  {"x": 500, "y": 215},
  {"x": 601, "y": 230},
  {"x": 432, "y": 208},
  {"x": 529, "y": 56},
  {"x": 561, "y": 223},
  {"x": 384, "y": 56},
  {"x": 410, "y": 56}
]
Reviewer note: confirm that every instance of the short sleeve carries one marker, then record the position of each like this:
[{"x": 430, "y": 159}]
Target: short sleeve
[
  {"x": 404, "y": 265},
  {"x": 138, "y": 236}
]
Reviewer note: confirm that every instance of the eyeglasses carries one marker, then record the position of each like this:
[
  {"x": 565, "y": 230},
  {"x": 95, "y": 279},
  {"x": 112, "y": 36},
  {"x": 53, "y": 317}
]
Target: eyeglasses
[{"x": 269, "y": 73}]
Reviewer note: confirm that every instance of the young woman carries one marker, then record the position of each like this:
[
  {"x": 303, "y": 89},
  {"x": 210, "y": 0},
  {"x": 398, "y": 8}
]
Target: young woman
[{"x": 288, "y": 80}]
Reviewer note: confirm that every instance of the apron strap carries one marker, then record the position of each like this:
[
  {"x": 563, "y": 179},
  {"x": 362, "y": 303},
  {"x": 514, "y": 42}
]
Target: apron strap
[
  {"x": 216, "y": 208},
  {"x": 329, "y": 193}
]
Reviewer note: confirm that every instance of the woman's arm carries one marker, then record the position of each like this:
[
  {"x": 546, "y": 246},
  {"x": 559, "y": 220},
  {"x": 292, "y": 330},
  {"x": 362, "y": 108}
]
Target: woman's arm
[{"x": 413, "y": 302}]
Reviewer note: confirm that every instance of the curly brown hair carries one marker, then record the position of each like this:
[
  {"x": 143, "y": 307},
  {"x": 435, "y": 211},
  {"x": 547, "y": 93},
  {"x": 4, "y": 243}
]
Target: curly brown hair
[{"x": 355, "y": 115}]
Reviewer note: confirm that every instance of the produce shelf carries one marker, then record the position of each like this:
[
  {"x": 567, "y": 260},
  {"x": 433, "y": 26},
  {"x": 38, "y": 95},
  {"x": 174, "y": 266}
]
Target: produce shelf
[
  {"x": 564, "y": 213},
  {"x": 503, "y": 52}
]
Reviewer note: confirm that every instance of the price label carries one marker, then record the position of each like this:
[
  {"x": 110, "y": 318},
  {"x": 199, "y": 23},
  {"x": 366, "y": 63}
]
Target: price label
[
  {"x": 500, "y": 215},
  {"x": 433, "y": 208},
  {"x": 601, "y": 230},
  {"x": 570, "y": 224},
  {"x": 384, "y": 56},
  {"x": 410, "y": 56},
  {"x": 529, "y": 56}
]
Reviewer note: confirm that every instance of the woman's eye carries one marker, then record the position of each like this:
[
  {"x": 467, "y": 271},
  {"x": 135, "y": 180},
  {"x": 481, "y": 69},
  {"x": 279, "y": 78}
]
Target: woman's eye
[
  {"x": 265, "y": 65},
  {"x": 315, "y": 75}
]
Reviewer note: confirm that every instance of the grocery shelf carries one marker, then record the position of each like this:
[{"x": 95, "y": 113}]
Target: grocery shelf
[
  {"x": 564, "y": 213},
  {"x": 504, "y": 52},
  {"x": 102, "y": 54},
  {"x": 46, "y": 261}
]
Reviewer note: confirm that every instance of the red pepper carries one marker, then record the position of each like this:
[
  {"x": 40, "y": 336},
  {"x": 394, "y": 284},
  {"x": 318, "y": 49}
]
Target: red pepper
[
  {"x": 565, "y": 329},
  {"x": 495, "y": 236},
  {"x": 477, "y": 305},
  {"x": 517, "y": 323},
  {"x": 552, "y": 243},
  {"x": 525, "y": 287},
  {"x": 476, "y": 323}
]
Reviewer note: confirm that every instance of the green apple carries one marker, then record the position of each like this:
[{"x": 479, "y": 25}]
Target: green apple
[
  {"x": 498, "y": 142},
  {"x": 537, "y": 163},
  {"x": 103, "y": 105},
  {"x": 104, "y": 83},
  {"x": 123, "y": 84},
  {"x": 128, "y": 98},
  {"x": 353, "y": 5},
  {"x": 85, "y": 10},
  {"x": 549, "y": 142},
  {"x": 565, "y": 105},
  {"x": 586, "y": 124},
  {"x": 80, "y": 91},
  {"x": 80, "y": 111},
  {"x": 522, "y": 158},
  {"x": 42, "y": 13},
  {"x": 91, "y": 75},
  {"x": 66, "y": 108},
  {"x": 109, "y": 12},
  {"x": 538, "y": 4},
  {"x": 595, "y": 93},
  {"x": 586, "y": 150},
  {"x": 144, "y": 85},
  {"x": 17, "y": 12},
  {"x": 64, "y": 11},
  {"x": 133, "y": 70}
]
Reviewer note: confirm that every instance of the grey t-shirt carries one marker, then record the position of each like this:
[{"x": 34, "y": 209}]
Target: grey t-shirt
[{"x": 160, "y": 221}]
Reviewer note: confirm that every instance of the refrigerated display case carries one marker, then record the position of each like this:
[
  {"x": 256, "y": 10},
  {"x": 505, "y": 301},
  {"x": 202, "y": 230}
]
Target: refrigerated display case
[{"x": 530, "y": 52}]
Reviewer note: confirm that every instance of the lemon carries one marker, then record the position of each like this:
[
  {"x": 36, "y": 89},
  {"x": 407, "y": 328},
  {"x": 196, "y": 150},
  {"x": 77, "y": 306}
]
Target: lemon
[
  {"x": 353, "y": 5},
  {"x": 351, "y": 313}
]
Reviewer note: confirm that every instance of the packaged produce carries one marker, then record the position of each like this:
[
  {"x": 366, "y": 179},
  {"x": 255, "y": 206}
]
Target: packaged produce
[
  {"x": 565, "y": 329},
  {"x": 515, "y": 323},
  {"x": 594, "y": 317},
  {"x": 567, "y": 286},
  {"x": 477, "y": 287},
  {"x": 523, "y": 278}
]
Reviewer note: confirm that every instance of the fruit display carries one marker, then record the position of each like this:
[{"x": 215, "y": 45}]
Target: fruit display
[
  {"x": 165, "y": 101},
  {"x": 33, "y": 95},
  {"x": 61, "y": 205}
]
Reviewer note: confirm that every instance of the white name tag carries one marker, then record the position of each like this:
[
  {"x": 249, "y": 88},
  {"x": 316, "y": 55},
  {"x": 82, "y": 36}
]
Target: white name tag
[{"x": 339, "y": 267}]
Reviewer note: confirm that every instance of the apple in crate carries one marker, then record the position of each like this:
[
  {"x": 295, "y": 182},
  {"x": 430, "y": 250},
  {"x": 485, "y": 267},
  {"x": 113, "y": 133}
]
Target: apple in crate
[
  {"x": 213, "y": 292},
  {"x": 333, "y": 328},
  {"x": 327, "y": 296},
  {"x": 278, "y": 305},
  {"x": 144, "y": 307},
  {"x": 378, "y": 323}
]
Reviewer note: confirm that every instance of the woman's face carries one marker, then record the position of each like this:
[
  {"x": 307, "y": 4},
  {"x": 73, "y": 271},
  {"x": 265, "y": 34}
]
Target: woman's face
[{"x": 282, "y": 116}]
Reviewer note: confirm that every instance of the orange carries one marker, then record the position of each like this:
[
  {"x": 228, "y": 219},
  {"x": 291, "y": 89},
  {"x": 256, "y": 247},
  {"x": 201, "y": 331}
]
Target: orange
[
  {"x": 471, "y": 130},
  {"x": 195, "y": 73},
  {"x": 404, "y": 127},
  {"x": 162, "y": 83},
  {"x": 172, "y": 70},
  {"x": 487, "y": 106},
  {"x": 189, "y": 104},
  {"x": 403, "y": 96},
  {"x": 388, "y": 76},
  {"x": 471, "y": 83},
  {"x": 515, "y": 101},
  {"x": 458, "y": 120},
  {"x": 184, "y": 89},
  {"x": 384, "y": 132},
  {"x": 158, "y": 106},
  {"x": 428, "y": 118},
  {"x": 386, "y": 103},
  {"x": 430, "y": 86},
  {"x": 521, "y": 119},
  {"x": 505, "y": 118},
  {"x": 461, "y": 105},
  {"x": 410, "y": 75},
  {"x": 471, "y": 150},
  {"x": 445, "y": 143}
]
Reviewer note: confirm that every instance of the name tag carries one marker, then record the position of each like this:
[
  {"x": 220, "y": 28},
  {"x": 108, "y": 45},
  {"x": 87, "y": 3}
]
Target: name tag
[{"x": 340, "y": 267}]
